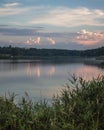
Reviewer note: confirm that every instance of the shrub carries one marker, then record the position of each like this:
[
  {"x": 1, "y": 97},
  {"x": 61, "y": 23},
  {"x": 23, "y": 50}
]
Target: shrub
[{"x": 80, "y": 106}]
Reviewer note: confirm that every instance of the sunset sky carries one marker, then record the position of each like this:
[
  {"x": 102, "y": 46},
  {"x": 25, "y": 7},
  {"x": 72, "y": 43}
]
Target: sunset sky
[{"x": 61, "y": 24}]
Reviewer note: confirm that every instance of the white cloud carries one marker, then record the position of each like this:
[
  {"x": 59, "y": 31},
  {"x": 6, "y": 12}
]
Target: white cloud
[
  {"x": 37, "y": 40},
  {"x": 32, "y": 41},
  {"x": 11, "y": 4},
  {"x": 55, "y": 16},
  {"x": 12, "y": 9},
  {"x": 68, "y": 17}
]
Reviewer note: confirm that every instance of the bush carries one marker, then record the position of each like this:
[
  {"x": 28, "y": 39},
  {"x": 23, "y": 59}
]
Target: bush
[{"x": 78, "y": 107}]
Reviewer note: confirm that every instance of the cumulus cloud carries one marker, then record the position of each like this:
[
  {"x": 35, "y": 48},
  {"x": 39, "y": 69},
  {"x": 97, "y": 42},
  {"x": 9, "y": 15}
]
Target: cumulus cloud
[
  {"x": 33, "y": 41},
  {"x": 36, "y": 41},
  {"x": 52, "y": 41},
  {"x": 89, "y": 38}
]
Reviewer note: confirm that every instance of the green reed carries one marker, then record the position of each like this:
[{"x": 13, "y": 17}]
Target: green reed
[{"x": 78, "y": 107}]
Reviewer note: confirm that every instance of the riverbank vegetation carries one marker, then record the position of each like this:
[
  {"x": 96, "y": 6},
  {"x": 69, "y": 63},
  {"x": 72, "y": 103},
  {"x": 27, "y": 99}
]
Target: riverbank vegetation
[
  {"x": 33, "y": 53},
  {"x": 79, "y": 106},
  {"x": 102, "y": 64}
]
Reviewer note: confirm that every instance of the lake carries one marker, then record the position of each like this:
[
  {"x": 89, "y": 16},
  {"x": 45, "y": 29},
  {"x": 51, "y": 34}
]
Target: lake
[{"x": 41, "y": 79}]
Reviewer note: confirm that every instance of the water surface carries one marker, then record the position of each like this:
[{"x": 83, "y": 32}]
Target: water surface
[{"x": 41, "y": 79}]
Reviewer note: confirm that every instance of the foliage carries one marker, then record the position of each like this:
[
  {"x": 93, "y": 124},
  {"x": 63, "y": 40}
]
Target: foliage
[
  {"x": 78, "y": 107},
  {"x": 102, "y": 64},
  {"x": 26, "y": 53}
]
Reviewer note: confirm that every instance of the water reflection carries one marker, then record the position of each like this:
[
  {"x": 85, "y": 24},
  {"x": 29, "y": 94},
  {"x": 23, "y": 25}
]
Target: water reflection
[
  {"x": 88, "y": 72},
  {"x": 33, "y": 70},
  {"x": 51, "y": 71},
  {"x": 41, "y": 79},
  {"x": 37, "y": 70},
  {"x": 8, "y": 67}
]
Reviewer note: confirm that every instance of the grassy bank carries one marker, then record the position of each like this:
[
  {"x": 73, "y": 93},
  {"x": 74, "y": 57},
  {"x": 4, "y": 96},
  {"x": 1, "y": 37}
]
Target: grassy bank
[{"x": 80, "y": 108}]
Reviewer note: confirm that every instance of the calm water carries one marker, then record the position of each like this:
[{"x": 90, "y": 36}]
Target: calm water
[{"x": 40, "y": 79}]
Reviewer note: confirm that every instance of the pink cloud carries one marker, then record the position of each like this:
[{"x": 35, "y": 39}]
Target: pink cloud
[
  {"x": 52, "y": 41},
  {"x": 89, "y": 38}
]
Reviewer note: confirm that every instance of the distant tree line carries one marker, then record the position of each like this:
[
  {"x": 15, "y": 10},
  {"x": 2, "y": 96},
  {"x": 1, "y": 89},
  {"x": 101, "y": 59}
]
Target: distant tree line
[{"x": 34, "y": 52}]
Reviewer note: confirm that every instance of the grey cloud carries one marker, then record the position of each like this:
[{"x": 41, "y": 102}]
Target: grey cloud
[
  {"x": 19, "y": 32},
  {"x": 4, "y": 25},
  {"x": 37, "y": 31}
]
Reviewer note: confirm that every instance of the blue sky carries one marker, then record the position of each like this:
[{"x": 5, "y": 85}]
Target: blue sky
[{"x": 63, "y": 24}]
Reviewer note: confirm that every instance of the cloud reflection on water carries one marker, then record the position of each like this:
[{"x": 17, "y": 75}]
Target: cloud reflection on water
[{"x": 42, "y": 79}]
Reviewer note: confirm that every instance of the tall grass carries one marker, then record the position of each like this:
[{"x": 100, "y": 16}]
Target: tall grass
[{"x": 80, "y": 107}]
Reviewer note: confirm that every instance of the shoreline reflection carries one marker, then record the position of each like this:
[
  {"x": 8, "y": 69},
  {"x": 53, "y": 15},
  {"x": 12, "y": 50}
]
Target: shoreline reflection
[{"x": 36, "y": 77}]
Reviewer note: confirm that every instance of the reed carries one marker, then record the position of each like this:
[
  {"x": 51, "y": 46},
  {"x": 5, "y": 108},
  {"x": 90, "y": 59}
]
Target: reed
[{"x": 78, "y": 107}]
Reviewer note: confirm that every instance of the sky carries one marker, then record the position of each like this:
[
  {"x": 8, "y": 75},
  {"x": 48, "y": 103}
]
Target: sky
[{"x": 56, "y": 24}]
